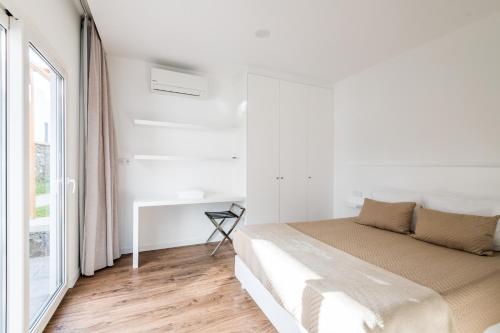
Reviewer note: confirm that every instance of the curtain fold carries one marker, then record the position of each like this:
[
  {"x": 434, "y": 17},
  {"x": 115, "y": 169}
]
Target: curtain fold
[{"x": 99, "y": 237}]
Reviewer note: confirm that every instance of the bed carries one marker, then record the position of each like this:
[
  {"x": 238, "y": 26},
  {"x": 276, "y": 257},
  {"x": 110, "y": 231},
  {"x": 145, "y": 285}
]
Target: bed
[{"x": 341, "y": 276}]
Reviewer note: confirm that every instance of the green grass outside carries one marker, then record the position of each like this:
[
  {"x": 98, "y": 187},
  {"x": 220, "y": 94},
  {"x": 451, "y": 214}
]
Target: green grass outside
[
  {"x": 42, "y": 187},
  {"x": 42, "y": 211}
]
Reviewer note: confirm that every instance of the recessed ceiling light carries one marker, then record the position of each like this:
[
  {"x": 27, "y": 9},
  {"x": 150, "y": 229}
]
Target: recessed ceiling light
[{"x": 262, "y": 33}]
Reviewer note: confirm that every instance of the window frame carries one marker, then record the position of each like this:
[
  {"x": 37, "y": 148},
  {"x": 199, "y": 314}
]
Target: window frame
[
  {"x": 22, "y": 36},
  {"x": 4, "y": 24}
]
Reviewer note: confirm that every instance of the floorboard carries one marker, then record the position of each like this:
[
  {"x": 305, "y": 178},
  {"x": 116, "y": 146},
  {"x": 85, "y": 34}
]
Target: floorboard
[{"x": 174, "y": 290}]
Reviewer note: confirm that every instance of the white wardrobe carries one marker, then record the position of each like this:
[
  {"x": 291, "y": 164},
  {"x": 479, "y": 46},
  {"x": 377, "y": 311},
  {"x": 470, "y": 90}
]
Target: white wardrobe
[{"x": 289, "y": 151}]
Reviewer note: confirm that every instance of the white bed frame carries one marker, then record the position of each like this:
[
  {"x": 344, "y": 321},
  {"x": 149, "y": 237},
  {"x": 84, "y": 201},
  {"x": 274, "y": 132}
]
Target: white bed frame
[{"x": 281, "y": 319}]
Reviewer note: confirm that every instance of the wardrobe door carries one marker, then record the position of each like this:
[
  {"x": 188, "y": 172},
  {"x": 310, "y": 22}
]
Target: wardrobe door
[
  {"x": 294, "y": 102},
  {"x": 320, "y": 154},
  {"x": 262, "y": 150}
]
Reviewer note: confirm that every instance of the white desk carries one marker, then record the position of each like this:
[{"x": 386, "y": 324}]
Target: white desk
[{"x": 172, "y": 201}]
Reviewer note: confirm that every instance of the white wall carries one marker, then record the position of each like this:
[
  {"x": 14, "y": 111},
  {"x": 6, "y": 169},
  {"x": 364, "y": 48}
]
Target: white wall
[
  {"x": 428, "y": 120},
  {"x": 131, "y": 98},
  {"x": 56, "y": 24}
]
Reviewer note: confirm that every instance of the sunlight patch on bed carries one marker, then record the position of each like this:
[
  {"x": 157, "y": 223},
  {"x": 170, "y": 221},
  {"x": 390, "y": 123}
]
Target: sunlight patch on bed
[
  {"x": 342, "y": 310},
  {"x": 376, "y": 280},
  {"x": 276, "y": 264}
]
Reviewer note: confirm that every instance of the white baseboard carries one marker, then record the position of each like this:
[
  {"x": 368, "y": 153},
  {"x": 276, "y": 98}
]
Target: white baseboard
[
  {"x": 74, "y": 278},
  {"x": 167, "y": 245}
]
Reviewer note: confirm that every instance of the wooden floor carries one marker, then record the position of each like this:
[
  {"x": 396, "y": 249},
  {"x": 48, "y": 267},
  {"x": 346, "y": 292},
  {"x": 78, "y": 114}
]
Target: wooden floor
[{"x": 174, "y": 290}]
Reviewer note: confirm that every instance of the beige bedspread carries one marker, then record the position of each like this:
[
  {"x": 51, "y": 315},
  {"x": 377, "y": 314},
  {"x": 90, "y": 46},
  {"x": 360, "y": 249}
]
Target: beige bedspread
[
  {"x": 470, "y": 284},
  {"x": 329, "y": 290}
]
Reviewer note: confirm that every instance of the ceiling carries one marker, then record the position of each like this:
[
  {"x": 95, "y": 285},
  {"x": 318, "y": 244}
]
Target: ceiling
[{"x": 322, "y": 39}]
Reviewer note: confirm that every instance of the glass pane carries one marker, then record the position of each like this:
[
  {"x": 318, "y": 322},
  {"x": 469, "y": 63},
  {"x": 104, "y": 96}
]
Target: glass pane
[
  {"x": 46, "y": 197},
  {"x": 3, "y": 201}
]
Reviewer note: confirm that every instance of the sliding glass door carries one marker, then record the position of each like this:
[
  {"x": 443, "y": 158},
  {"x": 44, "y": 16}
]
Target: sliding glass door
[{"x": 46, "y": 185}]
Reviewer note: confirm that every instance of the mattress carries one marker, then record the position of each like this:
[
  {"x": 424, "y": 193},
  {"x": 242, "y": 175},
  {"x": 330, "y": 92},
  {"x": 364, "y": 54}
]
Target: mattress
[{"x": 386, "y": 282}]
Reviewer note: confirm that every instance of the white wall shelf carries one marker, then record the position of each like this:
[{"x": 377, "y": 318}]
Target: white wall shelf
[
  {"x": 183, "y": 158},
  {"x": 155, "y": 123}
]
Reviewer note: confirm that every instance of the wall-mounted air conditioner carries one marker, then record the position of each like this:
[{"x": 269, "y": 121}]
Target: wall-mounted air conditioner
[{"x": 165, "y": 81}]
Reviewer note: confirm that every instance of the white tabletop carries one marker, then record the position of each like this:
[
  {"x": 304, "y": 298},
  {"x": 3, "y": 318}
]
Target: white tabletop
[{"x": 174, "y": 201}]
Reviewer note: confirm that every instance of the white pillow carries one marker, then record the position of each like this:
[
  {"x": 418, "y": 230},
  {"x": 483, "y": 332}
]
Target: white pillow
[
  {"x": 496, "y": 238},
  {"x": 462, "y": 205},
  {"x": 395, "y": 195}
]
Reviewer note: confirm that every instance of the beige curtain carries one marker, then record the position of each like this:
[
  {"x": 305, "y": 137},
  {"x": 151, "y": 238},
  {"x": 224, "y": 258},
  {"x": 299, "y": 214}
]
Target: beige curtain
[{"x": 98, "y": 216}]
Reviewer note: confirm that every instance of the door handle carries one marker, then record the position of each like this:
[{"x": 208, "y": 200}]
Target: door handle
[{"x": 73, "y": 184}]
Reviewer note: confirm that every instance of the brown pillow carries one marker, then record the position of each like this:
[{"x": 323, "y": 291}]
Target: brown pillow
[
  {"x": 384, "y": 215},
  {"x": 469, "y": 233}
]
